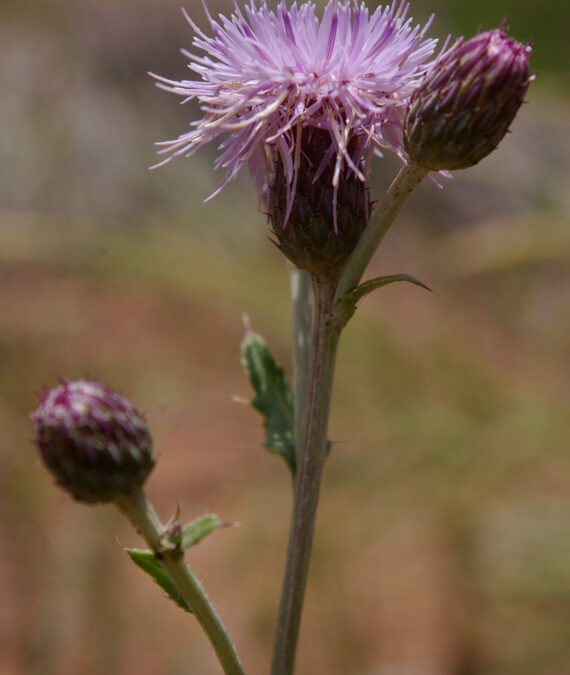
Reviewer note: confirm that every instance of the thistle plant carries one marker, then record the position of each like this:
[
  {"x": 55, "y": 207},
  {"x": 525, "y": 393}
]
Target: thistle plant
[{"x": 305, "y": 101}]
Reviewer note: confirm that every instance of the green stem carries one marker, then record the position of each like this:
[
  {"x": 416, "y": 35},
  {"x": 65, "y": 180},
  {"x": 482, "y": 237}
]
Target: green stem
[
  {"x": 329, "y": 317},
  {"x": 302, "y": 314},
  {"x": 144, "y": 518},
  {"x": 407, "y": 180},
  {"x": 312, "y": 453}
]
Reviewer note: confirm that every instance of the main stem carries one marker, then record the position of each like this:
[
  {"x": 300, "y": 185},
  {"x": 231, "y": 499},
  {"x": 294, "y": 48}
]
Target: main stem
[
  {"x": 302, "y": 319},
  {"x": 311, "y": 457},
  {"x": 144, "y": 518}
]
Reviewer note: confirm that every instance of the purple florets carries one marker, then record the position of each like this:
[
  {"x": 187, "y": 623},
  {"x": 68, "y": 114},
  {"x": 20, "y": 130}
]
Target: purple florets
[
  {"x": 265, "y": 75},
  {"x": 94, "y": 441}
]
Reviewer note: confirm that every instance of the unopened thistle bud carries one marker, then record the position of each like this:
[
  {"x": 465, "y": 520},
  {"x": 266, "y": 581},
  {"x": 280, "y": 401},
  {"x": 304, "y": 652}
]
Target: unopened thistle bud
[
  {"x": 319, "y": 229},
  {"x": 465, "y": 104},
  {"x": 94, "y": 442}
]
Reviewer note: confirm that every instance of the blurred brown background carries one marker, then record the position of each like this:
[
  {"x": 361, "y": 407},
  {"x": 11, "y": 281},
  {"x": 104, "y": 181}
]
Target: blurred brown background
[{"x": 443, "y": 544}]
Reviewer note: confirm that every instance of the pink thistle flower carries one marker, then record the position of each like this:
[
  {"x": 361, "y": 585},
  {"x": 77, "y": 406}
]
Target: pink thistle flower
[
  {"x": 305, "y": 101},
  {"x": 270, "y": 81}
]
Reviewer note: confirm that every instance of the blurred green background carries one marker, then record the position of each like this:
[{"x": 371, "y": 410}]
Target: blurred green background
[{"x": 443, "y": 544}]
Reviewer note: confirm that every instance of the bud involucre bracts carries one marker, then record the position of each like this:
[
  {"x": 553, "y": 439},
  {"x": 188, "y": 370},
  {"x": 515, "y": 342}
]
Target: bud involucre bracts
[
  {"x": 94, "y": 442},
  {"x": 464, "y": 106}
]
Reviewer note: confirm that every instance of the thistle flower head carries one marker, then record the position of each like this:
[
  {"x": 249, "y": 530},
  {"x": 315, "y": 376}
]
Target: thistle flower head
[
  {"x": 265, "y": 75},
  {"x": 94, "y": 442},
  {"x": 266, "y": 78},
  {"x": 467, "y": 101}
]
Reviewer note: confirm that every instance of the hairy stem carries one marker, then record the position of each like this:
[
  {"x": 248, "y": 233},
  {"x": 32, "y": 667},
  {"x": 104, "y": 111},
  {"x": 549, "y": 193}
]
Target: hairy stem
[
  {"x": 311, "y": 457},
  {"x": 144, "y": 518}
]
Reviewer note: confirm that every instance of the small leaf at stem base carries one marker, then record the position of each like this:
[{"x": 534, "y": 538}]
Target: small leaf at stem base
[
  {"x": 346, "y": 305},
  {"x": 147, "y": 561},
  {"x": 371, "y": 285},
  {"x": 197, "y": 529}
]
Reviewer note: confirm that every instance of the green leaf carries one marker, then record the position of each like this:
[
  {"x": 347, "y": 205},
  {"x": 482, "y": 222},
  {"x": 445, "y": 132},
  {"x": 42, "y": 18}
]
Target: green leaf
[
  {"x": 371, "y": 285},
  {"x": 196, "y": 530},
  {"x": 273, "y": 399},
  {"x": 147, "y": 561}
]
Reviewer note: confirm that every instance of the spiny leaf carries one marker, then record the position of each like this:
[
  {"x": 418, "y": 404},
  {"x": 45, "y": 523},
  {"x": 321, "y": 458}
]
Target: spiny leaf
[
  {"x": 273, "y": 399},
  {"x": 147, "y": 561},
  {"x": 196, "y": 530}
]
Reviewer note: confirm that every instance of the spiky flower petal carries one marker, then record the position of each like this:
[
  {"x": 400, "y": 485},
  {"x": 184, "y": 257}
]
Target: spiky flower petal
[
  {"x": 467, "y": 101},
  {"x": 95, "y": 443},
  {"x": 266, "y": 77}
]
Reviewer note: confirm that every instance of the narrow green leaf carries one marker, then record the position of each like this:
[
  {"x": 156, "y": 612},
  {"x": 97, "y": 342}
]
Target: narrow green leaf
[
  {"x": 273, "y": 399},
  {"x": 371, "y": 285},
  {"x": 147, "y": 561},
  {"x": 196, "y": 530}
]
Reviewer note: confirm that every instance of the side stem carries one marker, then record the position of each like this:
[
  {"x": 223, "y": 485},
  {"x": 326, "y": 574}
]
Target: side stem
[
  {"x": 144, "y": 518},
  {"x": 407, "y": 180},
  {"x": 312, "y": 453}
]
